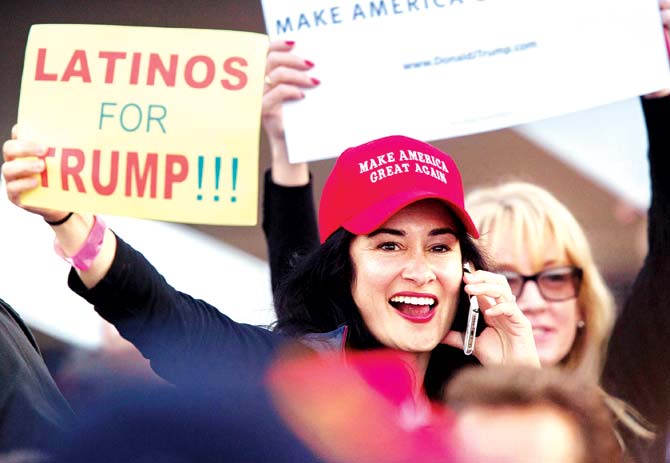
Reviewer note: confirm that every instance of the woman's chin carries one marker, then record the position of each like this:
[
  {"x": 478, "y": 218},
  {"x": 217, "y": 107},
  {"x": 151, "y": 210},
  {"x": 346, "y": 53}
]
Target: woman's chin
[
  {"x": 548, "y": 357},
  {"x": 419, "y": 346}
]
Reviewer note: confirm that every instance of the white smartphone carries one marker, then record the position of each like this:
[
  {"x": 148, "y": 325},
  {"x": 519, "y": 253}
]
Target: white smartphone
[{"x": 473, "y": 318}]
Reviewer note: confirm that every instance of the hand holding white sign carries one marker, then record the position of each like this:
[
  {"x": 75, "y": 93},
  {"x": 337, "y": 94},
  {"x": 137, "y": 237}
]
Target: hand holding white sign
[{"x": 286, "y": 79}]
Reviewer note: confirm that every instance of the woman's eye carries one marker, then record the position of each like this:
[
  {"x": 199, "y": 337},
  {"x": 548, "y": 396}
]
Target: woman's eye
[
  {"x": 557, "y": 278},
  {"x": 388, "y": 246},
  {"x": 440, "y": 248}
]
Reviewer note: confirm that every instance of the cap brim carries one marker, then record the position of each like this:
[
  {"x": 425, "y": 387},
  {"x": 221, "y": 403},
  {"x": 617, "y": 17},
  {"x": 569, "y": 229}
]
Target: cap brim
[{"x": 368, "y": 220}]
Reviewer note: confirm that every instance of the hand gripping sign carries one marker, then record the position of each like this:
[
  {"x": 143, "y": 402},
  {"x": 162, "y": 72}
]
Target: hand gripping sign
[{"x": 158, "y": 123}]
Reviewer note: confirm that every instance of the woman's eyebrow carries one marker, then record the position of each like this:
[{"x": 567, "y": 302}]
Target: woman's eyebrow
[
  {"x": 396, "y": 232},
  {"x": 442, "y": 231},
  {"x": 389, "y": 231}
]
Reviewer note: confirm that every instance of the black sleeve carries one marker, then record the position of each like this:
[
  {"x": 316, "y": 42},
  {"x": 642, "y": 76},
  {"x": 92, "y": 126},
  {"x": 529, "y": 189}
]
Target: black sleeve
[
  {"x": 33, "y": 412},
  {"x": 290, "y": 225},
  {"x": 185, "y": 339},
  {"x": 636, "y": 368}
]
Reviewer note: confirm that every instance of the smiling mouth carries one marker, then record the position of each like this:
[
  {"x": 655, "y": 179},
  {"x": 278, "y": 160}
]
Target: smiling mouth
[
  {"x": 541, "y": 332},
  {"x": 416, "y": 309}
]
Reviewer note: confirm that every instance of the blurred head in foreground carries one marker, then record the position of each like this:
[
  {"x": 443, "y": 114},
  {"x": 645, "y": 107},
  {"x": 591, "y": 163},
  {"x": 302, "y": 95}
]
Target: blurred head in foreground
[{"x": 519, "y": 414}]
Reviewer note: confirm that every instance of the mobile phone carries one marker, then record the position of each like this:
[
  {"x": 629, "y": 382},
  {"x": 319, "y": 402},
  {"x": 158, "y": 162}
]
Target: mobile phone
[{"x": 473, "y": 318}]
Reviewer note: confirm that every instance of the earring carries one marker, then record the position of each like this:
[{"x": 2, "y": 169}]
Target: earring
[{"x": 580, "y": 324}]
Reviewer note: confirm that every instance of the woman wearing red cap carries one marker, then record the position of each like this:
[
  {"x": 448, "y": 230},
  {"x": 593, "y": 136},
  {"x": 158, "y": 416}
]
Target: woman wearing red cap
[
  {"x": 541, "y": 248},
  {"x": 390, "y": 261},
  {"x": 389, "y": 273}
]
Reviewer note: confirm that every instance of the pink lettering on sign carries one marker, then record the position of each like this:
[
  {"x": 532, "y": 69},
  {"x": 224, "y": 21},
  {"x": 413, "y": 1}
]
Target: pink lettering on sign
[
  {"x": 150, "y": 69},
  {"x": 141, "y": 175}
]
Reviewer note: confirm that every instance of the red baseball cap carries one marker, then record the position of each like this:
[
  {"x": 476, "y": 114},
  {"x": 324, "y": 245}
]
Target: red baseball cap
[{"x": 371, "y": 182}]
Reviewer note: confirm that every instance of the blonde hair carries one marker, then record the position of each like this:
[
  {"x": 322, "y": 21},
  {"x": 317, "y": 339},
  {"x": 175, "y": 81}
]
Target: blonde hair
[{"x": 537, "y": 219}]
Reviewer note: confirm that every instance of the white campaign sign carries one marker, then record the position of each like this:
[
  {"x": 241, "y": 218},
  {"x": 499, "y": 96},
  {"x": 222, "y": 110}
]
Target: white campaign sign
[{"x": 434, "y": 69}]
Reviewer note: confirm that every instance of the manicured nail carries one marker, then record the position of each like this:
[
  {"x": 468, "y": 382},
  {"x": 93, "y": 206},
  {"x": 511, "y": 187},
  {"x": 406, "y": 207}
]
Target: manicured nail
[
  {"x": 302, "y": 95},
  {"x": 40, "y": 150},
  {"x": 309, "y": 64},
  {"x": 290, "y": 43},
  {"x": 315, "y": 81}
]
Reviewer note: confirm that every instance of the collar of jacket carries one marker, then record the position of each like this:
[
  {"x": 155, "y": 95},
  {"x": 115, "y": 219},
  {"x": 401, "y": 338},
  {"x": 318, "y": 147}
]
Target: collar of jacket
[{"x": 328, "y": 341}]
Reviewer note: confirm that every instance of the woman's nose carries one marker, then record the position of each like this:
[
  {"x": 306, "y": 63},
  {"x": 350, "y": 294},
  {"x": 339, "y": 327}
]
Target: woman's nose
[
  {"x": 530, "y": 298},
  {"x": 418, "y": 270}
]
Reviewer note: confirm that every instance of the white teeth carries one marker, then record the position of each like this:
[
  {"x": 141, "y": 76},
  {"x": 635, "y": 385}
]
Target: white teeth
[{"x": 413, "y": 300}]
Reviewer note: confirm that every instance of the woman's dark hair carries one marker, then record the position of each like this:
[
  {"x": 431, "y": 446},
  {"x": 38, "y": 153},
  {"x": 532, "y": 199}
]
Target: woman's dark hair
[{"x": 315, "y": 297}]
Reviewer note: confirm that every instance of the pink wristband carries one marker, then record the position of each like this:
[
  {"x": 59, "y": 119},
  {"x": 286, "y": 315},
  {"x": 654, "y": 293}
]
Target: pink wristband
[{"x": 83, "y": 258}]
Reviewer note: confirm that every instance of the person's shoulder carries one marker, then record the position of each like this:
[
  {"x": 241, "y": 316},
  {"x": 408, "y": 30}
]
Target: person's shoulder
[{"x": 8, "y": 312}]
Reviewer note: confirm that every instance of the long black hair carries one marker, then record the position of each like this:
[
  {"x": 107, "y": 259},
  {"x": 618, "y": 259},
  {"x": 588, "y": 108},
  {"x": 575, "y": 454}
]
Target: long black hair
[{"x": 315, "y": 297}]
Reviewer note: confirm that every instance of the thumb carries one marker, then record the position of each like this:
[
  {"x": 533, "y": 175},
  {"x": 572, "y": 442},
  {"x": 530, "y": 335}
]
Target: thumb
[{"x": 454, "y": 339}]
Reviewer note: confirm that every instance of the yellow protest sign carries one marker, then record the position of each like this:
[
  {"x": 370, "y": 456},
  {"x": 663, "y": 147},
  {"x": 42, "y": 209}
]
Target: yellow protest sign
[{"x": 158, "y": 123}]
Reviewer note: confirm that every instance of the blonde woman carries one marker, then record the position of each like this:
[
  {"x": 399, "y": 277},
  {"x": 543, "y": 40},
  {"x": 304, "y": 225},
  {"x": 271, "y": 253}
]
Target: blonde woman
[
  {"x": 534, "y": 240},
  {"x": 540, "y": 247}
]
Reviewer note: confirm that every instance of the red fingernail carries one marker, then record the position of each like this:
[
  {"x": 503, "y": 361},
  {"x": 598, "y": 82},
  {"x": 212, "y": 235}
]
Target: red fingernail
[
  {"x": 309, "y": 64},
  {"x": 290, "y": 43},
  {"x": 315, "y": 81}
]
